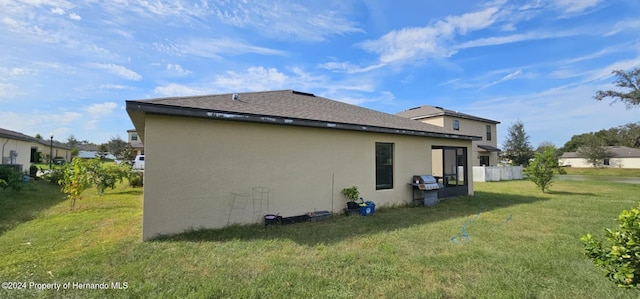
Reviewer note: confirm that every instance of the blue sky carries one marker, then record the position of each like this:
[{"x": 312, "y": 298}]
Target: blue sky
[{"x": 67, "y": 67}]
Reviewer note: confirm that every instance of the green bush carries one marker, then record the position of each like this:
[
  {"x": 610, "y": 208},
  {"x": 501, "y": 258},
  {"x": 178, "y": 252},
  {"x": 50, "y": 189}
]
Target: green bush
[
  {"x": 540, "y": 169},
  {"x": 136, "y": 178},
  {"x": 10, "y": 178},
  {"x": 620, "y": 257},
  {"x": 107, "y": 175},
  {"x": 54, "y": 176}
]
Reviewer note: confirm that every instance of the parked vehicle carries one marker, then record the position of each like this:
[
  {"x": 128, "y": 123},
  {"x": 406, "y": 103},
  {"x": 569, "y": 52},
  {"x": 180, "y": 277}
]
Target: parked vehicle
[{"x": 138, "y": 162}]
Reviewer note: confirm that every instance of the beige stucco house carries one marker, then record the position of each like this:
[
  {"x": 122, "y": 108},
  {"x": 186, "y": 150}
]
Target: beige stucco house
[
  {"x": 618, "y": 156},
  {"x": 484, "y": 152},
  {"x": 21, "y": 149},
  {"x": 216, "y": 160},
  {"x": 135, "y": 143}
]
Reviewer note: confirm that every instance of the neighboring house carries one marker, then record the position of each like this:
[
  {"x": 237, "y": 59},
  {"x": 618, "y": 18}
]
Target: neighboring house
[
  {"x": 87, "y": 151},
  {"x": 484, "y": 152},
  {"x": 136, "y": 144},
  {"x": 21, "y": 149},
  {"x": 619, "y": 156},
  {"x": 222, "y": 159},
  {"x": 16, "y": 148}
]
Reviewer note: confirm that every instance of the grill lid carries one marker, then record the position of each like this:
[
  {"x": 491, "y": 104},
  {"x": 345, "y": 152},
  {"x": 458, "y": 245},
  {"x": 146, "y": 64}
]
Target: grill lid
[{"x": 425, "y": 182}]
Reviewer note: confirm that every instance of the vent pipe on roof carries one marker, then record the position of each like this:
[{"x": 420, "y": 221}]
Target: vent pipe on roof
[{"x": 234, "y": 97}]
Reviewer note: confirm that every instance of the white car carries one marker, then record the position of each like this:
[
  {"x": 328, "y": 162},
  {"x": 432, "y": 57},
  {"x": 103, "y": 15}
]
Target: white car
[{"x": 138, "y": 163}]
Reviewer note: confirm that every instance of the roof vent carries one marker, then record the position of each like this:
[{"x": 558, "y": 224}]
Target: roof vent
[
  {"x": 303, "y": 93},
  {"x": 438, "y": 107},
  {"x": 234, "y": 97}
]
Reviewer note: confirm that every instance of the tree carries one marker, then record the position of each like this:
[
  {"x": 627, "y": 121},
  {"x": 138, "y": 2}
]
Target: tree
[
  {"x": 38, "y": 136},
  {"x": 621, "y": 256},
  {"x": 593, "y": 151},
  {"x": 72, "y": 141},
  {"x": 517, "y": 147},
  {"x": 625, "y": 135},
  {"x": 541, "y": 169},
  {"x": 116, "y": 146},
  {"x": 102, "y": 150},
  {"x": 629, "y": 80}
]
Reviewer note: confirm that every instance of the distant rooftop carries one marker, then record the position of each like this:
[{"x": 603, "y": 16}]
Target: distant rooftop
[
  {"x": 427, "y": 111},
  {"x": 614, "y": 151}
]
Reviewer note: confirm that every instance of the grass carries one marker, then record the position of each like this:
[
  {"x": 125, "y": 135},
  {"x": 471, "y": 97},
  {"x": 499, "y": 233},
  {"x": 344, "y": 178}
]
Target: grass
[
  {"x": 521, "y": 244},
  {"x": 625, "y": 172}
]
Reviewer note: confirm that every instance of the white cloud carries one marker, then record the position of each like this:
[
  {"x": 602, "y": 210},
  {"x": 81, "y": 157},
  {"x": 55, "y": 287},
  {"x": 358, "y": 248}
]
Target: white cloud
[
  {"x": 575, "y": 6},
  {"x": 57, "y": 11},
  {"x": 177, "y": 69},
  {"x": 14, "y": 72},
  {"x": 506, "y": 77},
  {"x": 349, "y": 68},
  {"x": 213, "y": 48},
  {"x": 75, "y": 17},
  {"x": 432, "y": 41},
  {"x": 177, "y": 90},
  {"x": 284, "y": 19},
  {"x": 118, "y": 70},
  {"x": 253, "y": 79},
  {"x": 8, "y": 92},
  {"x": 101, "y": 109},
  {"x": 114, "y": 86}
]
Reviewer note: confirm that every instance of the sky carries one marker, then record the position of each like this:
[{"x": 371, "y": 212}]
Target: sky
[{"x": 67, "y": 67}]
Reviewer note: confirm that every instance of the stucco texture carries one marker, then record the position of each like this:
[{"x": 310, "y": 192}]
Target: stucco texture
[{"x": 195, "y": 168}]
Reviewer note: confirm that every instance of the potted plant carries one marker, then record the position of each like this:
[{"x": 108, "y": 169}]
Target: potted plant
[{"x": 352, "y": 194}]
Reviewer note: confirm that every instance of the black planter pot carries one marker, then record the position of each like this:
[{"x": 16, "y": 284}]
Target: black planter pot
[{"x": 352, "y": 205}]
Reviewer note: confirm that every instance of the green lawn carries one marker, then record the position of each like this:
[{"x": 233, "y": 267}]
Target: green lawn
[
  {"x": 626, "y": 172},
  {"x": 521, "y": 244}
]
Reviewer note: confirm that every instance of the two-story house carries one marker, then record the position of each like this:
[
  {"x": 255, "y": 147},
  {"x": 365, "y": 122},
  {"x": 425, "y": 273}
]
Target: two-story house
[
  {"x": 134, "y": 141},
  {"x": 484, "y": 152}
]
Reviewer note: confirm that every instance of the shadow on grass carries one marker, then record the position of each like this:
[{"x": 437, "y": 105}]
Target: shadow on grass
[
  {"x": 17, "y": 207},
  {"x": 551, "y": 192},
  {"x": 344, "y": 227},
  {"x": 133, "y": 191}
]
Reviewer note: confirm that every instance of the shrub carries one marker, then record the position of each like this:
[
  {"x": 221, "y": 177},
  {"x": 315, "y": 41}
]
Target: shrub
[
  {"x": 54, "y": 176},
  {"x": 136, "y": 178},
  {"x": 541, "y": 169},
  {"x": 10, "y": 178},
  {"x": 621, "y": 256},
  {"x": 107, "y": 175}
]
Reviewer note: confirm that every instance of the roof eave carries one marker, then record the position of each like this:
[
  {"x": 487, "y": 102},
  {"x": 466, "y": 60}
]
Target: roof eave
[{"x": 137, "y": 110}]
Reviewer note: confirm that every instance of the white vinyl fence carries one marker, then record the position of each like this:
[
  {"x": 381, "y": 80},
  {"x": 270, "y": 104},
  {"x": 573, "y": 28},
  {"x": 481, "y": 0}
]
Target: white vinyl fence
[{"x": 496, "y": 173}]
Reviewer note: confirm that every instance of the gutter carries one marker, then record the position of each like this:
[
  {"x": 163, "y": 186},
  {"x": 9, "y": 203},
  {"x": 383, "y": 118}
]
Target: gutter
[{"x": 234, "y": 116}]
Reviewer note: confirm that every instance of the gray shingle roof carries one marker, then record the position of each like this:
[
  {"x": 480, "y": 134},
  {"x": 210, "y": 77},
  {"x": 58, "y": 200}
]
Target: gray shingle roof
[
  {"x": 4, "y": 133},
  {"x": 285, "y": 107},
  {"x": 427, "y": 111},
  {"x": 614, "y": 151}
]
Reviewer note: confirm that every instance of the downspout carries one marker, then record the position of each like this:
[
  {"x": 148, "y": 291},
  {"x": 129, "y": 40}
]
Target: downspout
[{"x": 2, "y": 157}]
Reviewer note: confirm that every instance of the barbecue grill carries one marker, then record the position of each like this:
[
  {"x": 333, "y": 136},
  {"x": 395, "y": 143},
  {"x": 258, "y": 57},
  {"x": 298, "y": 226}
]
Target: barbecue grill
[{"x": 428, "y": 185}]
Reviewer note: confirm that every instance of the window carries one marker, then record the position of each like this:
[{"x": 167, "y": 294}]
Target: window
[
  {"x": 456, "y": 125},
  {"x": 484, "y": 160},
  {"x": 488, "y": 133},
  {"x": 134, "y": 137},
  {"x": 607, "y": 162},
  {"x": 384, "y": 166}
]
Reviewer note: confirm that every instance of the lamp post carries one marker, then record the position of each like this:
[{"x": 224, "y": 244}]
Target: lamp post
[{"x": 50, "y": 149}]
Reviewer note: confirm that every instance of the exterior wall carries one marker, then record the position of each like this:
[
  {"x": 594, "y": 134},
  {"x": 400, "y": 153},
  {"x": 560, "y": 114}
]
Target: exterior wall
[
  {"x": 57, "y": 151},
  {"x": 22, "y": 148},
  {"x": 195, "y": 166},
  {"x": 613, "y": 162},
  {"x": 472, "y": 128}
]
